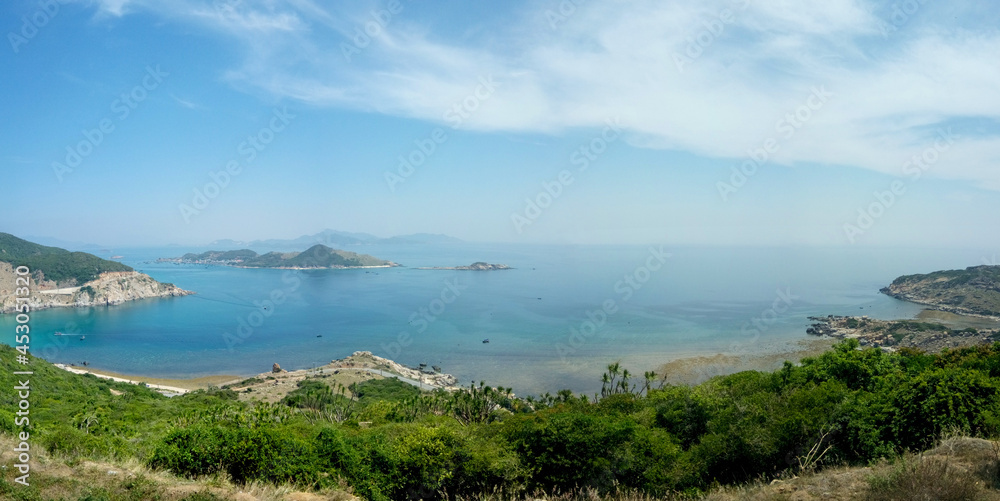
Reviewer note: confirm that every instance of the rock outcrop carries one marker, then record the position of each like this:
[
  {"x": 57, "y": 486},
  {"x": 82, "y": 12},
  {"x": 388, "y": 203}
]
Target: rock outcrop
[
  {"x": 110, "y": 288},
  {"x": 367, "y": 360},
  {"x": 895, "y": 334}
]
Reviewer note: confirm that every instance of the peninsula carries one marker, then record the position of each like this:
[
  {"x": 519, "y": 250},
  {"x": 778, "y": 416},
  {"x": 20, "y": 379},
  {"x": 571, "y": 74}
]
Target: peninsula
[
  {"x": 972, "y": 291},
  {"x": 971, "y": 296},
  {"x": 60, "y": 278},
  {"x": 316, "y": 257}
]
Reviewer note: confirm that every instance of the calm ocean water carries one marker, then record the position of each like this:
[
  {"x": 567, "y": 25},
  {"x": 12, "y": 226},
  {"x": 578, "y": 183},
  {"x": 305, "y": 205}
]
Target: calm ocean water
[{"x": 553, "y": 322}]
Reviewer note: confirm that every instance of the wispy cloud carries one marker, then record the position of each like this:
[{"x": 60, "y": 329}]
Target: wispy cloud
[
  {"x": 894, "y": 79},
  {"x": 185, "y": 103}
]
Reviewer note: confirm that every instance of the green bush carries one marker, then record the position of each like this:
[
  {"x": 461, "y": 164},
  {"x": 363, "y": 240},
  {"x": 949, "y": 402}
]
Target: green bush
[{"x": 245, "y": 454}]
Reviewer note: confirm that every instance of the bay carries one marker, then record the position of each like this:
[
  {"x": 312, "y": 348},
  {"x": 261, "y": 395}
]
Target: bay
[{"x": 554, "y": 321}]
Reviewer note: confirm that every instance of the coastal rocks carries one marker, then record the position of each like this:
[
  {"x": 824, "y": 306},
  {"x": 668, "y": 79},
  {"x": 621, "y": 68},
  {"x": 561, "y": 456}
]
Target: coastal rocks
[
  {"x": 367, "y": 360},
  {"x": 896, "y": 334},
  {"x": 276, "y": 368},
  {"x": 110, "y": 288}
]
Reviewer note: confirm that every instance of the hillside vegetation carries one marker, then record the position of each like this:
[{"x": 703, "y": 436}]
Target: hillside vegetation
[
  {"x": 382, "y": 441},
  {"x": 55, "y": 264},
  {"x": 317, "y": 256},
  {"x": 974, "y": 290}
]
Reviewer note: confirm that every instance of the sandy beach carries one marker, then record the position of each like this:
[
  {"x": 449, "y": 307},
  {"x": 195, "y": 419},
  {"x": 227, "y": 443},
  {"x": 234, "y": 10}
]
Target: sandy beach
[{"x": 175, "y": 386}]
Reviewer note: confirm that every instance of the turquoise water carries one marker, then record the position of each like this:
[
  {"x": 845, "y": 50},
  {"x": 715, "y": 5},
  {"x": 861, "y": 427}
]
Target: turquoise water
[{"x": 699, "y": 300}]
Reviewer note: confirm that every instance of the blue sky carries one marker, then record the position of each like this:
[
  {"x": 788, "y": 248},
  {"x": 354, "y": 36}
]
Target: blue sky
[{"x": 535, "y": 122}]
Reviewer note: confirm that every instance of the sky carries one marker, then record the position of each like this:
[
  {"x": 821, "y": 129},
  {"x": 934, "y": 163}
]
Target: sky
[{"x": 687, "y": 122}]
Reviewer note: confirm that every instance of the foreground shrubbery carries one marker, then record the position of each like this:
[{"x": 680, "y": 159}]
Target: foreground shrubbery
[{"x": 386, "y": 442}]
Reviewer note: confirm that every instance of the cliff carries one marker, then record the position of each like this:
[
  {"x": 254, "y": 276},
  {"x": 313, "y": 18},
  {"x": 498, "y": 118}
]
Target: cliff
[
  {"x": 109, "y": 288},
  {"x": 972, "y": 291}
]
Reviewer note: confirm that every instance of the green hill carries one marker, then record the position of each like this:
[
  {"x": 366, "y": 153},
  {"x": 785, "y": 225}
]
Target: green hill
[
  {"x": 59, "y": 265},
  {"x": 974, "y": 290},
  {"x": 386, "y": 441},
  {"x": 317, "y": 256}
]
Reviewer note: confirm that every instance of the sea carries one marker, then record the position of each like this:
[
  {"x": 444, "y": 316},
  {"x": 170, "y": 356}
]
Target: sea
[{"x": 554, "y": 321}]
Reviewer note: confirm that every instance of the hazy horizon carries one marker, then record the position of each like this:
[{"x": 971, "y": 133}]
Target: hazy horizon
[{"x": 138, "y": 123}]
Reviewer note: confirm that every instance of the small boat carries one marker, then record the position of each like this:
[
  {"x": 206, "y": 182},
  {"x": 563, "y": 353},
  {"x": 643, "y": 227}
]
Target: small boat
[
  {"x": 486, "y": 341},
  {"x": 82, "y": 338}
]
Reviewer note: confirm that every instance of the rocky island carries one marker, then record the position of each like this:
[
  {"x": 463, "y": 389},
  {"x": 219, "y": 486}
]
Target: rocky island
[
  {"x": 972, "y": 291},
  {"x": 477, "y": 266},
  {"x": 60, "y": 278},
  {"x": 316, "y": 257}
]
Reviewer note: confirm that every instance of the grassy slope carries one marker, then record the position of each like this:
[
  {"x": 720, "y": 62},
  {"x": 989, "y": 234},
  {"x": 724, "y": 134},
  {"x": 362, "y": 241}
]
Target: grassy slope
[
  {"x": 730, "y": 430},
  {"x": 56, "y": 264}
]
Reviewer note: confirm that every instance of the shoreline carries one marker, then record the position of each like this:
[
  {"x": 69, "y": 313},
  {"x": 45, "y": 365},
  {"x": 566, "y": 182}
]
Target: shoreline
[{"x": 175, "y": 386}]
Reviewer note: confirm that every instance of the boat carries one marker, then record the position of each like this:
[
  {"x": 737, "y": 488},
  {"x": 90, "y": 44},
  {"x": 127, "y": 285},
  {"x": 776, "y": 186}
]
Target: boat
[
  {"x": 486, "y": 341},
  {"x": 82, "y": 338}
]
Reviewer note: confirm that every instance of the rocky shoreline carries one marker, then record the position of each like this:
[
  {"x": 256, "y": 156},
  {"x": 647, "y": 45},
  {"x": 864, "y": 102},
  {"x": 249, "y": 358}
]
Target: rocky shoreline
[
  {"x": 896, "y": 334},
  {"x": 110, "y": 288}
]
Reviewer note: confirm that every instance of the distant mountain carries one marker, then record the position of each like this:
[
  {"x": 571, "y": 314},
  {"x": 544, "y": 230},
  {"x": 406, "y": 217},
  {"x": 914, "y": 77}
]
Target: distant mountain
[
  {"x": 974, "y": 290},
  {"x": 334, "y": 238},
  {"x": 57, "y": 265},
  {"x": 317, "y": 256}
]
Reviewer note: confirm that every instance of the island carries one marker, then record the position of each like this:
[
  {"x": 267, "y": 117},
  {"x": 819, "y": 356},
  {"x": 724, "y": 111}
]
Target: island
[
  {"x": 477, "y": 266},
  {"x": 316, "y": 257},
  {"x": 60, "y": 278},
  {"x": 972, "y": 291}
]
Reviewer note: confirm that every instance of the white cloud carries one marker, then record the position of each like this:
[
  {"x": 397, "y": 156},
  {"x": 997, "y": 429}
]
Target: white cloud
[{"x": 743, "y": 67}]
